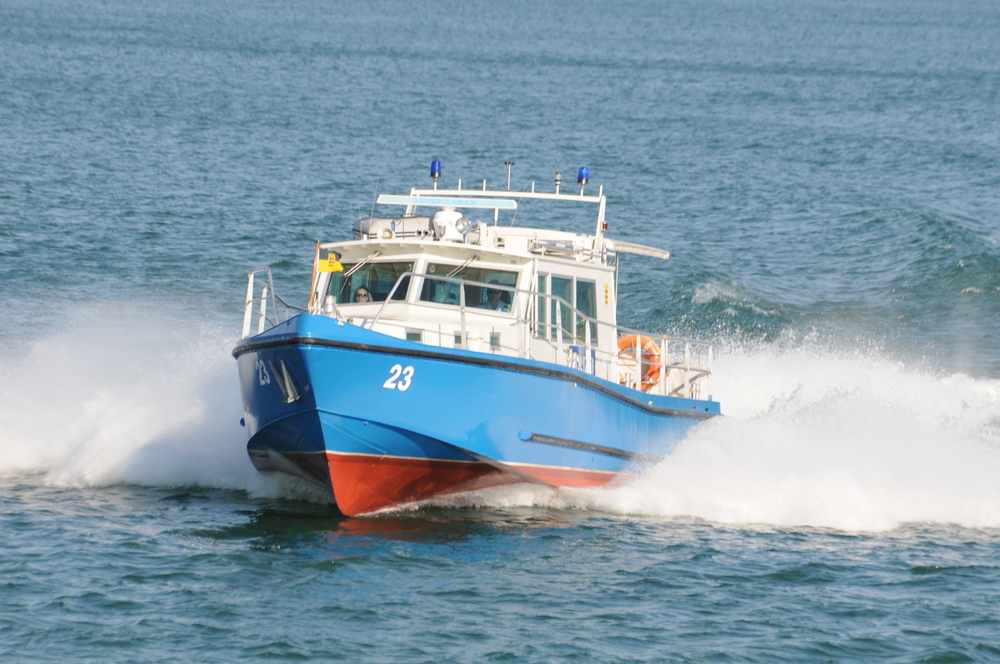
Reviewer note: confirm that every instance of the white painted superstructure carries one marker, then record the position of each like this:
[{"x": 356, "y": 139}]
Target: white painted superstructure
[{"x": 439, "y": 278}]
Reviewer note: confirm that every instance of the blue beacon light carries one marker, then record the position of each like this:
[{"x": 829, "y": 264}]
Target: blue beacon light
[
  {"x": 582, "y": 178},
  {"x": 435, "y": 172}
]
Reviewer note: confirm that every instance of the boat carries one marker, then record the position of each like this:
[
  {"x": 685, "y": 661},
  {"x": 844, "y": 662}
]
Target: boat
[{"x": 440, "y": 353}]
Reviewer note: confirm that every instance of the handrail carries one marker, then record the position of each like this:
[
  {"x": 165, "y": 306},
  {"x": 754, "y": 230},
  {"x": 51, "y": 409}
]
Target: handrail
[
  {"x": 267, "y": 294},
  {"x": 693, "y": 366},
  {"x": 511, "y": 289},
  {"x": 492, "y": 193},
  {"x": 692, "y": 370},
  {"x": 435, "y": 277}
]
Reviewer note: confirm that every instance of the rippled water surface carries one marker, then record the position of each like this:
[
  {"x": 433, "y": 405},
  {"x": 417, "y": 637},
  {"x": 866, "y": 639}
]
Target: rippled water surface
[
  {"x": 215, "y": 576},
  {"x": 826, "y": 176}
]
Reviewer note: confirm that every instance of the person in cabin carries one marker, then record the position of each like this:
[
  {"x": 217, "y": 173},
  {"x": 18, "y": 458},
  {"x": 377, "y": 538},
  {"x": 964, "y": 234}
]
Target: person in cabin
[
  {"x": 362, "y": 295},
  {"x": 495, "y": 299}
]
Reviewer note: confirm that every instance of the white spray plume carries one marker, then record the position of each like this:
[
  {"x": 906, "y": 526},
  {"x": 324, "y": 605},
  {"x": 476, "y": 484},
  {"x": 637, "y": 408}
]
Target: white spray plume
[
  {"x": 809, "y": 437},
  {"x": 812, "y": 438},
  {"x": 123, "y": 397}
]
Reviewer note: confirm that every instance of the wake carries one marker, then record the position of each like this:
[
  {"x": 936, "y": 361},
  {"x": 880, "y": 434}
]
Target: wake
[
  {"x": 809, "y": 437},
  {"x": 812, "y": 438},
  {"x": 130, "y": 399}
]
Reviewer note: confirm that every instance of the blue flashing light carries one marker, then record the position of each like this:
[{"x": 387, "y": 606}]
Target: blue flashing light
[
  {"x": 435, "y": 169},
  {"x": 584, "y": 176}
]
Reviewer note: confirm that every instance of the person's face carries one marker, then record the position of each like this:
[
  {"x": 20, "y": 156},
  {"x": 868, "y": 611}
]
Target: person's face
[
  {"x": 362, "y": 295},
  {"x": 493, "y": 295}
]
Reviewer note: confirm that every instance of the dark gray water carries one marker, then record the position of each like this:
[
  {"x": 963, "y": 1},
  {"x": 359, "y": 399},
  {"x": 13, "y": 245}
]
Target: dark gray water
[{"x": 826, "y": 175}]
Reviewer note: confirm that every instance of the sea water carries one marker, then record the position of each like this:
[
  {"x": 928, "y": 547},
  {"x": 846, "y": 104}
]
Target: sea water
[{"x": 826, "y": 176}]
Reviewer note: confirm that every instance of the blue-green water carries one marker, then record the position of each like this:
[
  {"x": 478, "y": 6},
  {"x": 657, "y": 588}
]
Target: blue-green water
[{"x": 826, "y": 175}]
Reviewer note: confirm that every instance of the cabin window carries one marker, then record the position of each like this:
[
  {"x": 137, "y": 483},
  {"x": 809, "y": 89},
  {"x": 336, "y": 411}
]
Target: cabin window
[
  {"x": 586, "y": 303},
  {"x": 551, "y": 314},
  {"x": 373, "y": 279},
  {"x": 479, "y": 297},
  {"x": 562, "y": 287},
  {"x": 542, "y": 308}
]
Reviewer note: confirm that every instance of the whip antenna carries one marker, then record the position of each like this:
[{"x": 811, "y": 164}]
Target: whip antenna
[{"x": 374, "y": 196}]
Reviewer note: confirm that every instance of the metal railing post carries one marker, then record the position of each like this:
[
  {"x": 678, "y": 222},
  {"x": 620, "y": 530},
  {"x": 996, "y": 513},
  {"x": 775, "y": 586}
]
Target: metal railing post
[
  {"x": 461, "y": 303},
  {"x": 664, "y": 354},
  {"x": 526, "y": 333},
  {"x": 687, "y": 369},
  {"x": 559, "y": 333},
  {"x": 248, "y": 309},
  {"x": 638, "y": 363},
  {"x": 711, "y": 365},
  {"x": 263, "y": 311},
  {"x": 274, "y": 303}
]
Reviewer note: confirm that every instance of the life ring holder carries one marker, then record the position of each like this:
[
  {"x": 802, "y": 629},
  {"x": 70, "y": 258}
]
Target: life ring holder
[{"x": 628, "y": 350}]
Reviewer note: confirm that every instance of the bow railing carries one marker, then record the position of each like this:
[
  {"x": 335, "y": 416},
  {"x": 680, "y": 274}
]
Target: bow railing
[{"x": 260, "y": 292}]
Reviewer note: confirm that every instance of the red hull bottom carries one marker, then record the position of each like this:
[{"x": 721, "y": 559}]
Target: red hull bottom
[{"x": 366, "y": 483}]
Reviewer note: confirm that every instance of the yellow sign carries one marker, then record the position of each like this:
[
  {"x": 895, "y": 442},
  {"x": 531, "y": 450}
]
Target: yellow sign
[
  {"x": 329, "y": 261},
  {"x": 606, "y": 298}
]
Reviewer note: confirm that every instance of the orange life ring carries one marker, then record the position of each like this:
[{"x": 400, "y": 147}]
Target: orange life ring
[{"x": 628, "y": 349}]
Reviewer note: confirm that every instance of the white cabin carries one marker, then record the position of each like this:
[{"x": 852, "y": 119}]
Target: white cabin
[{"x": 433, "y": 276}]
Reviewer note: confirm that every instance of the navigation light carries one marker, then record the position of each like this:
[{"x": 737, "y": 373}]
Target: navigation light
[{"x": 435, "y": 172}]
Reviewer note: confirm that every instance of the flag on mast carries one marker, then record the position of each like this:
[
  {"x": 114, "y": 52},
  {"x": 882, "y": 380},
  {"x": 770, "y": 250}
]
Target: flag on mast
[{"x": 329, "y": 261}]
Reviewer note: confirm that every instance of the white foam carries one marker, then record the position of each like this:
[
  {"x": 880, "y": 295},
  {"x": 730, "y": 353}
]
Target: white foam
[
  {"x": 809, "y": 437},
  {"x": 846, "y": 442},
  {"x": 819, "y": 439},
  {"x": 129, "y": 397}
]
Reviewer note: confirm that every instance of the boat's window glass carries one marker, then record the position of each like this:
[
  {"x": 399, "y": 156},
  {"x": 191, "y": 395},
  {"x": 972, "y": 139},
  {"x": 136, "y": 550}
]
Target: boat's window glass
[
  {"x": 373, "y": 279},
  {"x": 447, "y": 292},
  {"x": 542, "y": 308},
  {"x": 562, "y": 287},
  {"x": 586, "y": 302}
]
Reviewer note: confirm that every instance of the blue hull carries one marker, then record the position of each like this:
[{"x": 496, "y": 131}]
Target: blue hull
[{"x": 382, "y": 421}]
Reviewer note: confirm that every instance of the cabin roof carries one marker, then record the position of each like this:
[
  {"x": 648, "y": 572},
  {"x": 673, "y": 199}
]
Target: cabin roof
[{"x": 448, "y": 233}]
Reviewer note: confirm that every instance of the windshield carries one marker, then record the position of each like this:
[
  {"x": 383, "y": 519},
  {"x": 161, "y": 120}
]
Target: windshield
[
  {"x": 369, "y": 283},
  {"x": 479, "y": 297}
]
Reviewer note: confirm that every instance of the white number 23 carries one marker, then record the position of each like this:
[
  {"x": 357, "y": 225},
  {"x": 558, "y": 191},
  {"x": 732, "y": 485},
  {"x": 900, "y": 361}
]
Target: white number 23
[{"x": 397, "y": 383}]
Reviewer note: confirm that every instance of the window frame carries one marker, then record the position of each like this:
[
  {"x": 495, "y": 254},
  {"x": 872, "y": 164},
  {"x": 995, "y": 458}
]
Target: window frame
[
  {"x": 428, "y": 279},
  {"x": 401, "y": 294}
]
